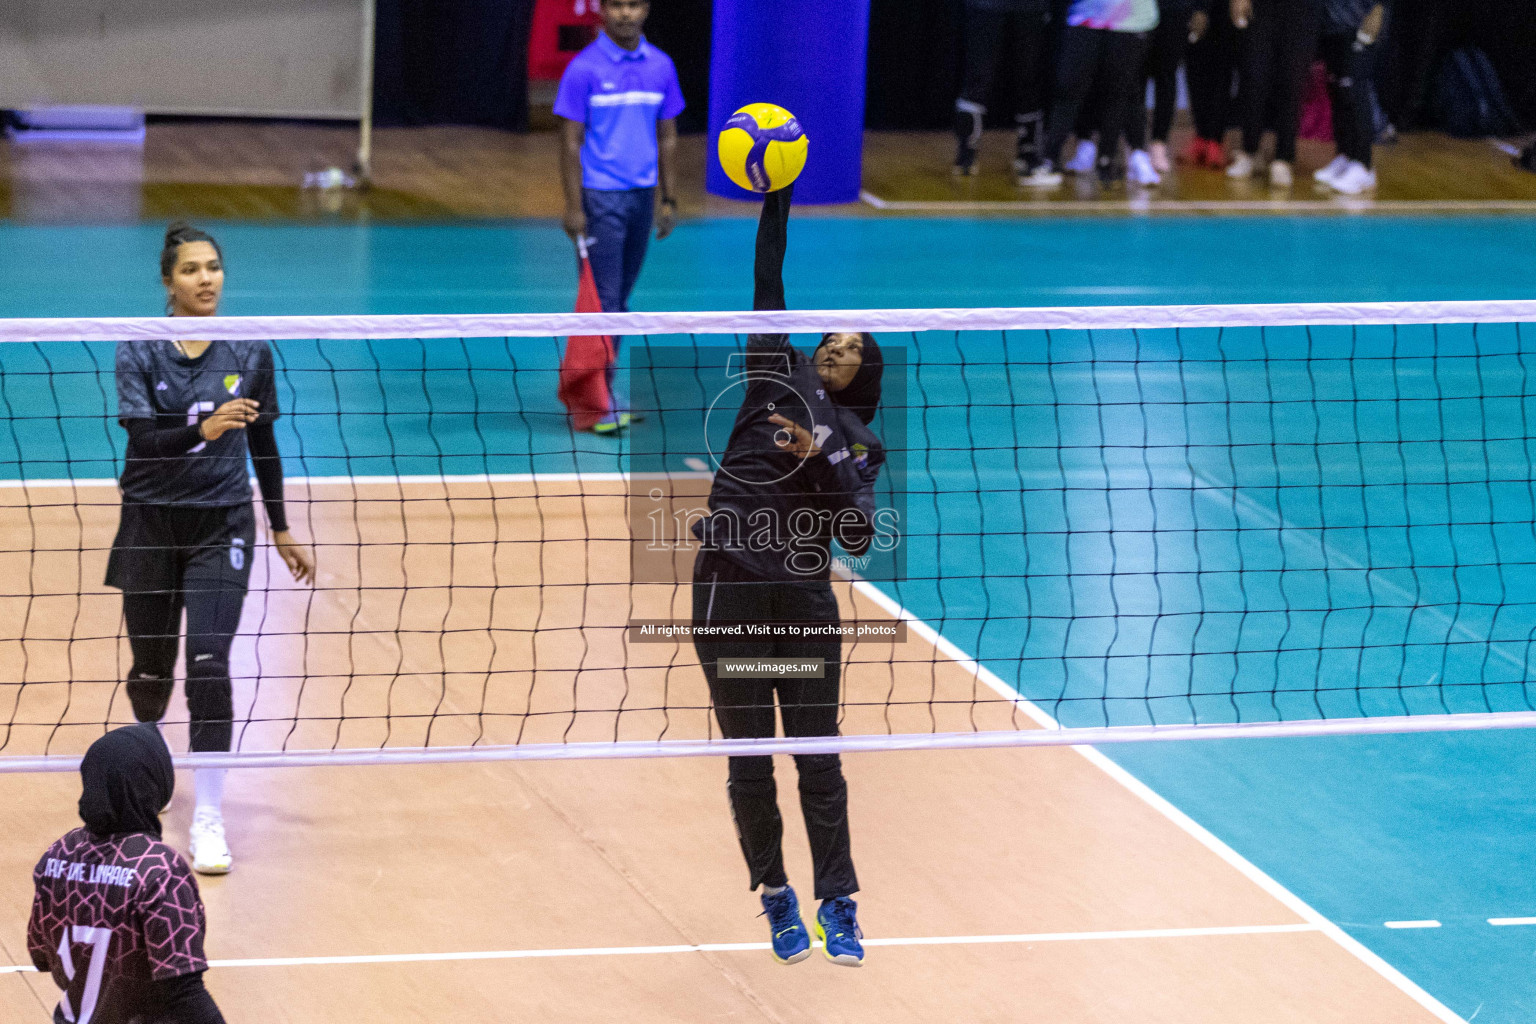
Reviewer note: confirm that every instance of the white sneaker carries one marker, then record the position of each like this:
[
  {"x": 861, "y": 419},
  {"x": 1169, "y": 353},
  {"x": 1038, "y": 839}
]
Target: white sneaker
[
  {"x": 1241, "y": 166},
  {"x": 1354, "y": 179},
  {"x": 210, "y": 853},
  {"x": 1140, "y": 170},
  {"x": 1160, "y": 162},
  {"x": 1083, "y": 159},
  {"x": 1333, "y": 170},
  {"x": 1279, "y": 174},
  {"x": 1043, "y": 176}
]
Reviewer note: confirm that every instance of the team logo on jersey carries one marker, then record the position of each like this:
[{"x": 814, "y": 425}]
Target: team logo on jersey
[
  {"x": 162, "y": 386},
  {"x": 232, "y": 383},
  {"x": 860, "y": 455}
]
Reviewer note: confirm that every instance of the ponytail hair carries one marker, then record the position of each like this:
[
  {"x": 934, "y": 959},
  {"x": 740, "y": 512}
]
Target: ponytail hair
[{"x": 178, "y": 234}]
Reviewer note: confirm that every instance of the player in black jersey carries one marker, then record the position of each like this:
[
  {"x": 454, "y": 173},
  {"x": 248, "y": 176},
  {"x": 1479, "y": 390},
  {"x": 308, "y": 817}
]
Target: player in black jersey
[
  {"x": 116, "y": 916},
  {"x": 193, "y": 411},
  {"x": 798, "y": 472}
]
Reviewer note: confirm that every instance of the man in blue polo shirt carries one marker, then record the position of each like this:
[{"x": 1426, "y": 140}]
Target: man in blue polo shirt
[{"x": 619, "y": 98}]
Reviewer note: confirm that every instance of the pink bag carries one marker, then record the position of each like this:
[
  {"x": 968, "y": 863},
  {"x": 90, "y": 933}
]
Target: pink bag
[{"x": 1316, "y": 110}]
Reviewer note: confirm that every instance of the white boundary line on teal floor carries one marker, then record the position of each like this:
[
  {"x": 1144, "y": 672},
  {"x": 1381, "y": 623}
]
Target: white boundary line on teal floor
[
  {"x": 1158, "y": 803},
  {"x": 1146, "y": 204}
]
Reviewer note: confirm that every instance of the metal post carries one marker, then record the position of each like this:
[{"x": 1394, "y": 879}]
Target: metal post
[{"x": 364, "y": 167}]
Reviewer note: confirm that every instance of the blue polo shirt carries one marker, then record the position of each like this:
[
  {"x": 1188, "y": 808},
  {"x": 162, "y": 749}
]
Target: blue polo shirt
[{"x": 619, "y": 95}]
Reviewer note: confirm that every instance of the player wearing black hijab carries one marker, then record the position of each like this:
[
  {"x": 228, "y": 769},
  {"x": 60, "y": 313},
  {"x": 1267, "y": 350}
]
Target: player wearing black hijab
[
  {"x": 798, "y": 472},
  {"x": 193, "y": 410},
  {"x": 116, "y": 916}
]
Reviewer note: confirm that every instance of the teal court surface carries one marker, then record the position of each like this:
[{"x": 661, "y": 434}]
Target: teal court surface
[{"x": 1415, "y": 845}]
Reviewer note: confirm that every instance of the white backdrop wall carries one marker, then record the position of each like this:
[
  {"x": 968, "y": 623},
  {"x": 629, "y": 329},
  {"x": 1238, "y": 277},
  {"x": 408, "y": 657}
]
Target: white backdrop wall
[{"x": 274, "y": 58}]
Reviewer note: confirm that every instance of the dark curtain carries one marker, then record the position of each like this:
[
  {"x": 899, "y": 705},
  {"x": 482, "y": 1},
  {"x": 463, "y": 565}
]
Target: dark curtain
[
  {"x": 452, "y": 62},
  {"x": 681, "y": 29},
  {"x": 914, "y": 63},
  {"x": 1508, "y": 35}
]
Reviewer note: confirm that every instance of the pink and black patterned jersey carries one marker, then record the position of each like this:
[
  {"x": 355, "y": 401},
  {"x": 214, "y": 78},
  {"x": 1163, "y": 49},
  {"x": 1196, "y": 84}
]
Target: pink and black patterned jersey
[{"x": 109, "y": 916}]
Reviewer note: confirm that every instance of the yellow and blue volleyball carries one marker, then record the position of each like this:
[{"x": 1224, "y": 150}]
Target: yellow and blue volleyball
[{"x": 762, "y": 147}]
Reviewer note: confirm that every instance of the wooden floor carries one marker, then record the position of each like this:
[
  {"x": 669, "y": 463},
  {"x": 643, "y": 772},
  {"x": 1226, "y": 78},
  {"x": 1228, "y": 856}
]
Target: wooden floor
[
  {"x": 1005, "y": 885},
  {"x": 249, "y": 169}
]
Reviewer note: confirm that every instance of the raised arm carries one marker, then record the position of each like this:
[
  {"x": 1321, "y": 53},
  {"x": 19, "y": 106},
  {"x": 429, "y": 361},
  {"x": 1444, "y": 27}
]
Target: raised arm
[
  {"x": 768, "y": 270},
  {"x": 772, "y": 241}
]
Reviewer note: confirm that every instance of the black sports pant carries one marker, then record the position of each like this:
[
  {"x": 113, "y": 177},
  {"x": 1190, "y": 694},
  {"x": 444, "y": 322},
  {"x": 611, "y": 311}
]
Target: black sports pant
[
  {"x": 985, "y": 33},
  {"x": 1350, "y": 67},
  {"x": 167, "y": 559},
  {"x": 1114, "y": 60},
  {"x": 1208, "y": 65},
  {"x": 1164, "y": 52},
  {"x": 725, "y": 593},
  {"x": 1276, "y": 54}
]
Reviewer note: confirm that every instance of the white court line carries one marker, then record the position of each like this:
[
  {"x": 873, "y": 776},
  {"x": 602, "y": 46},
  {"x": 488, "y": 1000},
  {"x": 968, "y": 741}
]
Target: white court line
[
  {"x": 1027, "y": 938},
  {"x": 1160, "y": 804},
  {"x": 1410, "y": 924},
  {"x": 1338, "y": 204},
  {"x": 1505, "y": 922}
]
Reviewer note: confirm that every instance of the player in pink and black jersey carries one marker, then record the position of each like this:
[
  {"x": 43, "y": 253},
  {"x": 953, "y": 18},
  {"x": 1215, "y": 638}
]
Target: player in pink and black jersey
[{"x": 116, "y": 916}]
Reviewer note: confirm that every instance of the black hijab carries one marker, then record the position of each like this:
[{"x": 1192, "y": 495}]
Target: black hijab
[
  {"x": 128, "y": 780},
  {"x": 862, "y": 395}
]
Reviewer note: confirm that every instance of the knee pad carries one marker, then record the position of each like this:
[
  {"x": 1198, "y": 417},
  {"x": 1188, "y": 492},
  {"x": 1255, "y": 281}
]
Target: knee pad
[
  {"x": 210, "y": 704},
  {"x": 209, "y": 693},
  {"x": 149, "y": 692}
]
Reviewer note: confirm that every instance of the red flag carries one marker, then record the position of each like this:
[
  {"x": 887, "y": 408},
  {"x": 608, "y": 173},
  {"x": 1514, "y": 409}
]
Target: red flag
[{"x": 587, "y": 360}]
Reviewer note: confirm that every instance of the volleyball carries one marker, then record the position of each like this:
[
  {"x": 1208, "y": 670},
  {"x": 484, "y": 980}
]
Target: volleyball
[{"x": 762, "y": 147}]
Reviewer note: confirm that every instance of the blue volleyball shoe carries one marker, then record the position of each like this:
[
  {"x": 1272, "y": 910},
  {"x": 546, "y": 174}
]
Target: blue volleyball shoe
[
  {"x": 791, "y": 943},
  {"x": 837, "y": 926}
]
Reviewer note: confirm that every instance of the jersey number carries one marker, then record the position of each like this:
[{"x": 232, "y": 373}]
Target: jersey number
[
  {"x": 820, "y": 435},
  {"x": 98, "y": 939},
  {"x": 194, "y": 413}
]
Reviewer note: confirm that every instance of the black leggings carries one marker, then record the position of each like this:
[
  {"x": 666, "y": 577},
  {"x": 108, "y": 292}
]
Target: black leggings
[
  {"x": 1277, "y": 48},
  {"x": 1164, "y": 52},
  {"x": 154, "y": 634},
  {"x": 167, "y": 559},
  {"x": 724, "y": 593},
  {"x": 1089, "y": 55},
  {"x": 1208, "y": 67},
  {"x": 1350, "y": 68}
]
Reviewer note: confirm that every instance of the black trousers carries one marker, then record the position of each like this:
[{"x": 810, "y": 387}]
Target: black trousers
[
  {"x": 724, "y": 593},
  {"x": 1208, "y": 66},
  {"x": 1276, "y": 53},
  {"x": 1350, "y": 67},
  {"x": 167, "y": 559},
  {"x": 1165, "y": 51},
  {"x": 986, "y": 33},
  {"x": 1089, "y": 55}
]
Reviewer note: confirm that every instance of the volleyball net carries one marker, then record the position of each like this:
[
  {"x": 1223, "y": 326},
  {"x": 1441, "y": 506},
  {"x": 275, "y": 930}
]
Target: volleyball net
[{"x": 1092, "y": 525}]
